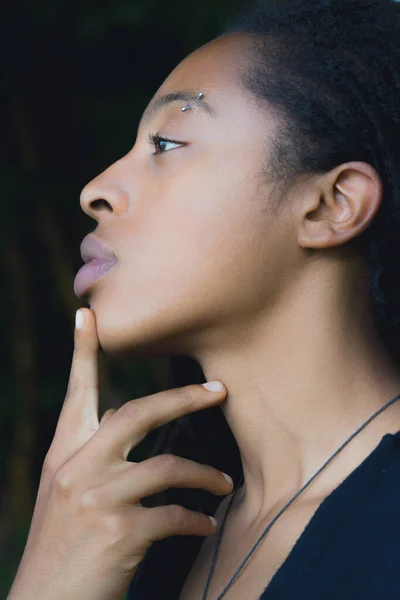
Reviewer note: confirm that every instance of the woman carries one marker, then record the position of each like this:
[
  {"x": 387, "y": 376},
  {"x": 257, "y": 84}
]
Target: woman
[{"x": 257, "y": 243}]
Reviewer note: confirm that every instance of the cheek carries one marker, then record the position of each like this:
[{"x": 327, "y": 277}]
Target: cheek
[
  {"x": 193, "y": 258},
  {"x": 210, "y": 223}
]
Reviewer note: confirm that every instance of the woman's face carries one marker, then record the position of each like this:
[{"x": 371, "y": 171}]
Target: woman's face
[{"x": 199, "y": 252}]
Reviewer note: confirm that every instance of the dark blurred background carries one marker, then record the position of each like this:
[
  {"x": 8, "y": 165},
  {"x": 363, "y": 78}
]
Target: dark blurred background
[{"x": 75, "y": 79}]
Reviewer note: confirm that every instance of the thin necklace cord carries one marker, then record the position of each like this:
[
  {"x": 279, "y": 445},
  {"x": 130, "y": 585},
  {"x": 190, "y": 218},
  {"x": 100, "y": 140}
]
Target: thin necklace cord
[{"x": 214, "y": 559}]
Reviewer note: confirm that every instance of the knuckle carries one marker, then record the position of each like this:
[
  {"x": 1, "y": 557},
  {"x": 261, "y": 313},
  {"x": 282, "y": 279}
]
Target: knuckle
[
  {"x": 62, "y": 481},
  {"x": 90, "y": 499},
  {"x": 114, "y": 528},
  {"x": 168, "y": 462},
  {"x": 91, "y": 387},
  {"x": 132, "y": 410},
  {"x": 77, "y": 386},
  {"x": 50, "y": 466},
  {"x": 177, "y": 514},
  {"x": 188, "y": 394}
]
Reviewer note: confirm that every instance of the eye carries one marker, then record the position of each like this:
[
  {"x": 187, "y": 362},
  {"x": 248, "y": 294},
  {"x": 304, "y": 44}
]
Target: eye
[{"x": 156, "y": 142}]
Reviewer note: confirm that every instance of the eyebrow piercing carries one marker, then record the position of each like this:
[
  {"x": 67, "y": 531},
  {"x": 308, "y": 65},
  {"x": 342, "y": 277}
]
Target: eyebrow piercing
[{"x": 200, "y": 95}]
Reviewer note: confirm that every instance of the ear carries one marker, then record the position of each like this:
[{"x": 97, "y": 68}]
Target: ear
[{"x": 340, "y": 206}]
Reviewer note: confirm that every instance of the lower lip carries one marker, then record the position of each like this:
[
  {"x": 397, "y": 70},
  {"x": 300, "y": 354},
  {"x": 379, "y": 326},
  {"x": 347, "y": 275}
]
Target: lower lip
[{"x": 89, "y": 273}]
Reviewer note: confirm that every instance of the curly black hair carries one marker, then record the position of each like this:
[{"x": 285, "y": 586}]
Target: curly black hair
[{"x": 331, "y": 69}]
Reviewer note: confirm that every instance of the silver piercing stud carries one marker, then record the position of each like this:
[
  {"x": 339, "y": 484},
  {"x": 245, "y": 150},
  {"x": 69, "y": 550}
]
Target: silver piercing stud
[{"x": 199, "y": 96}]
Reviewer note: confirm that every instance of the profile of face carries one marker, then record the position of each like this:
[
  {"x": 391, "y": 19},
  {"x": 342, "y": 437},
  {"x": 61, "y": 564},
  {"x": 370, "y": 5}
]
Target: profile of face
[{"x": 200, "y": 252}]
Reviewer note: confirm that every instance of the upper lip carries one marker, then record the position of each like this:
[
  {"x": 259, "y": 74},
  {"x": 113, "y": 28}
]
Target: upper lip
[{"x": 93, "y": 249}]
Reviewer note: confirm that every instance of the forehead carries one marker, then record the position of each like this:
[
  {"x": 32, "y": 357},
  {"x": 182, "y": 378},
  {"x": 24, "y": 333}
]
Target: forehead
[
  {"x": 214, "y": 67},
  {"x": 216, "y": 63}
]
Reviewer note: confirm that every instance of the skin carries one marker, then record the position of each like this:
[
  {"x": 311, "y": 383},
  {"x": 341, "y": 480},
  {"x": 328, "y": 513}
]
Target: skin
[{"x": 271, "y": 302}]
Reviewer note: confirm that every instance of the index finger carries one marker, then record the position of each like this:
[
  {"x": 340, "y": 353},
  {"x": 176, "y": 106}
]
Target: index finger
[
  {"x": 136, "y": 418},
  {"x": 79, "y": 417}
]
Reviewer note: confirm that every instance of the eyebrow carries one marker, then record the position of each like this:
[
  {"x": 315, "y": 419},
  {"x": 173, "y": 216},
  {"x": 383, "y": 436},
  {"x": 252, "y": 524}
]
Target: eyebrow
[{"x": 161, "y": 102}]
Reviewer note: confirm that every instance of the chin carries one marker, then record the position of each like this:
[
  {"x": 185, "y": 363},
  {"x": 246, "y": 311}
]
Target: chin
[
  {"x": 142, "y": 334},
  {"x": 121, "y": 340}
]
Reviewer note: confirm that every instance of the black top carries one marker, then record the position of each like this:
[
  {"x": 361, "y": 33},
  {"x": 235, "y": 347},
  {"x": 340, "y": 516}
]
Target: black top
[{"x": 349, "y": 550}]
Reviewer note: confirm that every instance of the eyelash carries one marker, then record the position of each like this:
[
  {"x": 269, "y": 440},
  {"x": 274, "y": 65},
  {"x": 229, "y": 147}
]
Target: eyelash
[{"x": 155, "y": 139}]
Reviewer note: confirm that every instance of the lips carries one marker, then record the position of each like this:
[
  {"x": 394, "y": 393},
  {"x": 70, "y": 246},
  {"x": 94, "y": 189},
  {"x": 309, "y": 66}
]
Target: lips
[
  {"x": 98, "y": 258},
  {"x": 93, "y": 249}
]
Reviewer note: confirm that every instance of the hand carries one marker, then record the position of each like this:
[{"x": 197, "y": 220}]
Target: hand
[{"x": 89, "y": 531}]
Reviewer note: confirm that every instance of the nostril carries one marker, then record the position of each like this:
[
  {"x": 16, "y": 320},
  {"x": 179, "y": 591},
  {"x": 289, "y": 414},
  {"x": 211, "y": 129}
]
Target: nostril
[{"x": 100, "y": 203}]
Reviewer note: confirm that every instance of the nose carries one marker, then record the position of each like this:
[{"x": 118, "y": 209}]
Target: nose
[{"x": 105, "y": 195}]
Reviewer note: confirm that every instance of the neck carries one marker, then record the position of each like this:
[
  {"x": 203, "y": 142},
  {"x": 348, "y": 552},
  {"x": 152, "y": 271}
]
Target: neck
[{"x": 300, "y": 381}]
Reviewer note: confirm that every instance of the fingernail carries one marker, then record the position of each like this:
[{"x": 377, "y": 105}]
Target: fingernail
[
  {"x": 79, "y": 319},
  {"x": 227, "y": 477},
  {"x": 213, "y": 521},
  {"x": 213, "y": 386}
]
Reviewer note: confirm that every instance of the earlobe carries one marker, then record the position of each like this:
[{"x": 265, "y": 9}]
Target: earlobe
[{"x": 350, "y": 197}]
